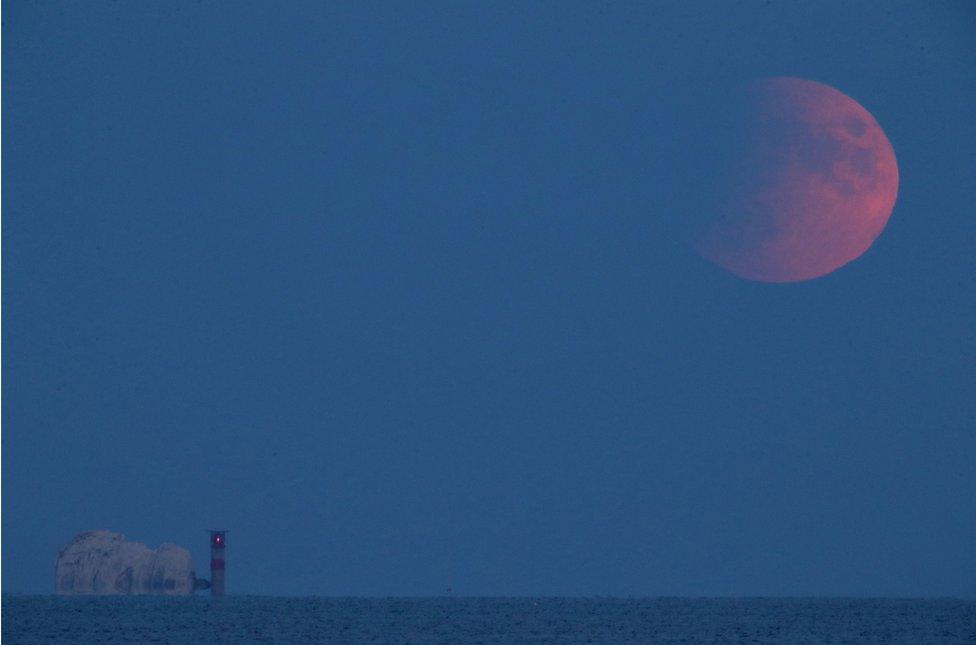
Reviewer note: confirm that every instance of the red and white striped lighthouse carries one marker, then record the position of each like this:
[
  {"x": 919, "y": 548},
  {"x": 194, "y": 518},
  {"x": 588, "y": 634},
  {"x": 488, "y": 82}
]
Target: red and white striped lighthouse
[{"x": 217, "y": 540}]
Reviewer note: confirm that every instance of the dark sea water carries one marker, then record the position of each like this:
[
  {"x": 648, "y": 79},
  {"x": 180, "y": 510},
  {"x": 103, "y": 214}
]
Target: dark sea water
[{"x": 200, "y": 619}]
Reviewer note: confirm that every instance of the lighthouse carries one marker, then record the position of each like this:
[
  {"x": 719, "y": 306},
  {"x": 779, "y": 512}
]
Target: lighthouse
[{"x": 218, "y": 538}]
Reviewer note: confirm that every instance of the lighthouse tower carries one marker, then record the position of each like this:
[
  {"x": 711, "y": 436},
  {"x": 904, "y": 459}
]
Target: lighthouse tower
[{"x": 217, "y": 541}]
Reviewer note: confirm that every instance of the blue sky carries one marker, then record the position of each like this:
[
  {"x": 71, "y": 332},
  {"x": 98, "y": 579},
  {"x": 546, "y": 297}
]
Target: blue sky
[{"x": 396, "y": 292}]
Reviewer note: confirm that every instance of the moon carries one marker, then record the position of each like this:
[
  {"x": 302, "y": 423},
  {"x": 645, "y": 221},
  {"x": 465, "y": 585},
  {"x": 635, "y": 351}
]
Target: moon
[{"x": 812, "y": 184}]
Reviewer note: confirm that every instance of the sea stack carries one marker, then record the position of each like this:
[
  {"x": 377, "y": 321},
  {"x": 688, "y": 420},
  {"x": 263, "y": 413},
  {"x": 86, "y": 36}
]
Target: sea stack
[{"x": 104, "y": 563}]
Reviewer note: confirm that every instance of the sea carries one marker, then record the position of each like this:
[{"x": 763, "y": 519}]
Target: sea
[{"x": 256, "y": 619}]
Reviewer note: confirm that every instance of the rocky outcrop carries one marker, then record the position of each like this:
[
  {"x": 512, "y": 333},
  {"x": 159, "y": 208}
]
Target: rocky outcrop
[{"x": 105, "y": 563}]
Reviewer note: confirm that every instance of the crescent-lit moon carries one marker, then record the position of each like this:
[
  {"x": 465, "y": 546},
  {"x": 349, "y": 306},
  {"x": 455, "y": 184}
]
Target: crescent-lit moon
[{"x": 810, "y": 190}]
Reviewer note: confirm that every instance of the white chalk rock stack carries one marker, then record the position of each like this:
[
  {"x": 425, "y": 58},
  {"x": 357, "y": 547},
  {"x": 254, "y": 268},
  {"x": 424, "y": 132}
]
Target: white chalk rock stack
[{"x": 105, "y": 563}]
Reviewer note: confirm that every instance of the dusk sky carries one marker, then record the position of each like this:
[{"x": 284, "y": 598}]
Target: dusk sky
[{"x": 398, "y": 293}]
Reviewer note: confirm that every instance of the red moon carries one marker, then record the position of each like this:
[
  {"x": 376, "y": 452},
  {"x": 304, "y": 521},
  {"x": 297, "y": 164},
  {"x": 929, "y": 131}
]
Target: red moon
[{"x": 813, "y": 184}]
